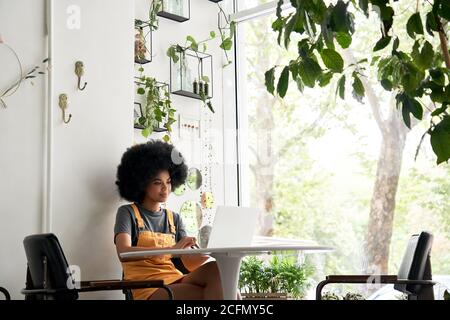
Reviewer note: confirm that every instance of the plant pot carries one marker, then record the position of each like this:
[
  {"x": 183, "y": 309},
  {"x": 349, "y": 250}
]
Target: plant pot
[{"x": 266, "y": 296}]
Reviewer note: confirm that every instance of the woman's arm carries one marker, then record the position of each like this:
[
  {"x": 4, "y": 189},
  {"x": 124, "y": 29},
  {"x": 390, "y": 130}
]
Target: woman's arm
[{"x": 123, "y": 244}]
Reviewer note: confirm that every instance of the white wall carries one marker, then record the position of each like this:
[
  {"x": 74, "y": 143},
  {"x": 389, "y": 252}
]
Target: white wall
[
  {"x": 21, "y": 139},
  {"x": 203, "y": 19},
  {"x": 86, "y": 152}
]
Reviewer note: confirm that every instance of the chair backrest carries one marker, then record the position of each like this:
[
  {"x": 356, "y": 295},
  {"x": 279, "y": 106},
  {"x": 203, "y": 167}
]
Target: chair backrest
[
  {"x": 47, "y": 266},
  {"x": 416, "y": 262}
]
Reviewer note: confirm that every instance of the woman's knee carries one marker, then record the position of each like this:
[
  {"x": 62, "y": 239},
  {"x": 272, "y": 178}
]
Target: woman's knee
[{"x": 211, "y": 268}]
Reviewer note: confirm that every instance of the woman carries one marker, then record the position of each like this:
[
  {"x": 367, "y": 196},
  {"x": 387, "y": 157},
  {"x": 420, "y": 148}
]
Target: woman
[{"x": 146, "y": 175}]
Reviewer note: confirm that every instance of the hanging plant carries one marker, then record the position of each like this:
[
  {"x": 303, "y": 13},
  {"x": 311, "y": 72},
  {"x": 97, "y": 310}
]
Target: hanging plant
[
  {"x": 177, "y": 52},
  {"x": 157, "y": 113},
  {"x": 227, "y": 32}
]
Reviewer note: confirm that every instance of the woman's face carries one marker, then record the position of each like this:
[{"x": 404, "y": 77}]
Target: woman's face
[{"x": 160, "y": 187}]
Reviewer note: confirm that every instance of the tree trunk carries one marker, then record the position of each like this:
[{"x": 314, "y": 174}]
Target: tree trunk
[{"x": 382, "y": 208}]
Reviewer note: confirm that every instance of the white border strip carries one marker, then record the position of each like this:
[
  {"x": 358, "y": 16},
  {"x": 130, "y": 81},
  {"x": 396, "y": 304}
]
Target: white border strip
[{"x": 48, "y": 129}]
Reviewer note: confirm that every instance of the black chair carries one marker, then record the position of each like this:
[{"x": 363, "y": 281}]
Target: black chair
[
  {"x": 413, "y": 278},
  {"x": 6, "y": 293},
  {"x": 49, "y": 277}
]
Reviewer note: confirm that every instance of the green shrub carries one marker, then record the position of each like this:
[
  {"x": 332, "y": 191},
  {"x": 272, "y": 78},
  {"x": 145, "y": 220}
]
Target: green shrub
[{"x": 279, "y": 275}]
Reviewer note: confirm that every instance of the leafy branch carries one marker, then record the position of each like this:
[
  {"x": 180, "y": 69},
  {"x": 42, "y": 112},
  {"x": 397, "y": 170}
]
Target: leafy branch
[{"x": 413, "y": 75}]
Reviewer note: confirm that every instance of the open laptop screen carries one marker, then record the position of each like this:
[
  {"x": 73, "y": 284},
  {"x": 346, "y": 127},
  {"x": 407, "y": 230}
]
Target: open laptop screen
[{"x": 233, "y": 227}]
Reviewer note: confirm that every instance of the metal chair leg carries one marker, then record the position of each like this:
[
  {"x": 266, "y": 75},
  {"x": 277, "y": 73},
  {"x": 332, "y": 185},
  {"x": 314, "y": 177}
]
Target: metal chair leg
[
  {"x": 6, "y": 293},
  {"x": 319, "y": 289}
]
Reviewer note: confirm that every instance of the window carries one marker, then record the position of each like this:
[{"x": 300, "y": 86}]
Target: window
[{"x": 309, "y": 161}]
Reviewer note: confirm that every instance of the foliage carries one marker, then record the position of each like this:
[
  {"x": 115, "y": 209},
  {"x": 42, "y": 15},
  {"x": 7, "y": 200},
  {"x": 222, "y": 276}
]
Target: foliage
[
  {"x": 279, "y": 275},
  {"x": 177, "y": 53},
  {"x": 330, "y": 296},
  {"x": 347, "y": 296},
  {"x": 227, "y": 33},
  {"x": 31, "y": 74},
  {"x": 158, "y": 109},
  {"x": 415, "y": 74},
  {"x": 446, "y": 295}
]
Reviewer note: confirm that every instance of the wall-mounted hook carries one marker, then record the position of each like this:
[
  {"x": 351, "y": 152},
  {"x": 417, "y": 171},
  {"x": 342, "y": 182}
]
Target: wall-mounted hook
[
  {"x": 79, "y": 71},
  {"x": 63, "y": 106}
]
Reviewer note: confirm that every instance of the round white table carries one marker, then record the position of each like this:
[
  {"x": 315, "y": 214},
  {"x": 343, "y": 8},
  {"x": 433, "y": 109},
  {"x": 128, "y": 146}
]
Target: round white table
[{"x": 229, "y": 259}]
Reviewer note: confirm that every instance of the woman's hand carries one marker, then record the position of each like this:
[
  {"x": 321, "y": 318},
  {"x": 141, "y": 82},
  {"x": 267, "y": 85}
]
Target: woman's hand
[{"x": 185, "y": 242}]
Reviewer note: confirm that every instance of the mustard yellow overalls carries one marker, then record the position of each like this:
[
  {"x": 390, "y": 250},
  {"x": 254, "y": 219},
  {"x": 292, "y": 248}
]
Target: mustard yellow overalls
[{"x": 153, "y": 268}]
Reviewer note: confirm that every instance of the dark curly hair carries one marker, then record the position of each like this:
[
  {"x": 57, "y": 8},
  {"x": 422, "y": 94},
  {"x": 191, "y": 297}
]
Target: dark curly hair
[{"x": 142, "y": 162}]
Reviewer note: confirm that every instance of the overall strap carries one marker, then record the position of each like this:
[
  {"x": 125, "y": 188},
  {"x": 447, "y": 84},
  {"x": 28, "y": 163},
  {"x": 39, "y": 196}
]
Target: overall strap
[
  {"x": 137, "y": 214},
  {"x": 172, "y": 227}
]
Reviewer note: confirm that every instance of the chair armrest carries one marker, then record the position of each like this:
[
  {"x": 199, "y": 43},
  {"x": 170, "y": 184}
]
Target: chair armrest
[
  {"x": 367, "y": 278},
  {"x": 361, "y": 278},
  {"x": 105, "y": 285},
  {"x": 119, "y": 285},
  {"x": 418, "y": 282},
  {"x": 42, "y": 291}
]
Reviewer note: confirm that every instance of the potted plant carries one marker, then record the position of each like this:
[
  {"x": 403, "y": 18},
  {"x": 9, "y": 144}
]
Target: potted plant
[
  {"x": 157, "y": 113},
  {"x": 279, "y": 278},
  {"x": 178, "y": 55}
]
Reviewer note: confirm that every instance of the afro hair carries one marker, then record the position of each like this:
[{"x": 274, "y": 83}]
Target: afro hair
[{"x": 142, "y": 162}]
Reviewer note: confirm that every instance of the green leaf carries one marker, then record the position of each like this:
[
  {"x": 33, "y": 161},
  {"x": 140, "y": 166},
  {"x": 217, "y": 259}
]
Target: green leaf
[
  {"x": 172, "y": 53},
  {"x": 444, "y": 10},
  {"x": 210, "y": 107},
  {"x": 382, "y": 43},
  {"x": 440, "y": 140},
  {"x": 283, "y": 82},
  {"x": 141, "y": 91},
  {"x": 293, "y": 67},
  {"x": 309, "y": 71},
  {"x": 386, "y": 84},
  {"x": 341, "y": 87},
  {"x": 332, "y": 60},
  {"x": 227, "y": 44},
  {"x": 270, "y": 80},
  {"x": 300, "y": 85},
  {"x": 364, "y": 5},
  {"x": 396, "y": 44},
  {"x": 147, "y": 131},
  {"x": 288, "y": 29},
  {"x": 409, "y": 105},
  {"x": 446, "y": 295},
  {"x": 166, "y": 138},
  {"x": 438, "y": 76},
  {"x": 339, "y": 21},
  {"x": 344, "y": 39},
  {"x": 212, "y": 34},
  {"x": 439, "y": 111},
  {"x": 325, "y": 78},
  {"x": 414, "y": 25},
  {"x": 191, "y": 39},
  {"x": 431, "y": 24},
  {"x": 358, "y": 88}
]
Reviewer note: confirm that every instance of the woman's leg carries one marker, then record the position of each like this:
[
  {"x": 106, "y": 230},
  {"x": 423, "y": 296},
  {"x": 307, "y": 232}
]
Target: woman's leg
[
  {"x": 206, "y": 276},
  {"x": 181, "y": 291}
]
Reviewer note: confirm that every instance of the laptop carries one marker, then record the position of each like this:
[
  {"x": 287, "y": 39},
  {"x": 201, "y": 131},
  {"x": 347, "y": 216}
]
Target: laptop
[{"x": 233, "y": 227}]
